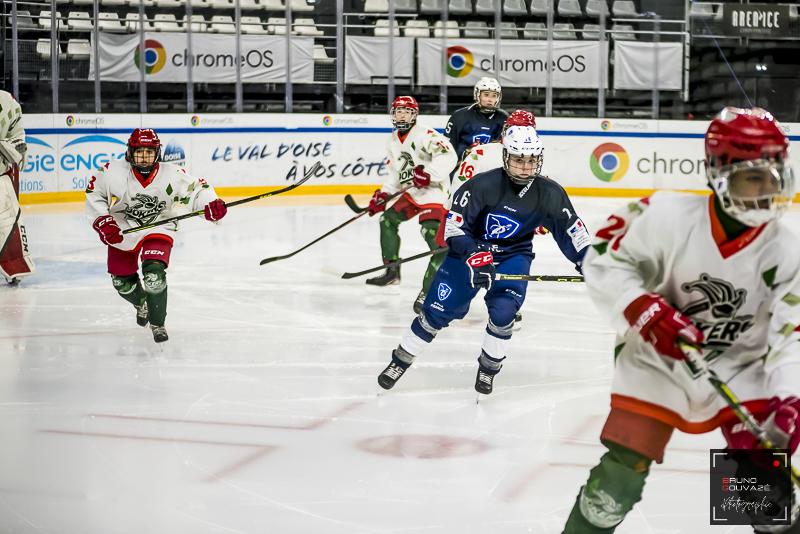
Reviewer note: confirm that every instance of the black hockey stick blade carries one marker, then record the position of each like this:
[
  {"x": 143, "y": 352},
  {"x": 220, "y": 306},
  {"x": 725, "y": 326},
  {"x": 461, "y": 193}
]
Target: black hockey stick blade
[
  {"x": 309, "y": 174},
  {"x": 351, "y": 203},
  {"x": 347, "y": 276},
  {"x": 539, "y": 277}
]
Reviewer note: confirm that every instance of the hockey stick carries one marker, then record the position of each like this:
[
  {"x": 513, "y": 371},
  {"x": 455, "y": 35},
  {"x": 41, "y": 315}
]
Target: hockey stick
[
  {"x": 499, "y": 276},
  {"x": 695, "y": 359},
  {"x": 351, "y": 203},
  {"x": 308, "y": 175},
  {"x": 539, "y": 277},
  {"x": 326, "y": 234},
  {"x": 347, "y": 276}
]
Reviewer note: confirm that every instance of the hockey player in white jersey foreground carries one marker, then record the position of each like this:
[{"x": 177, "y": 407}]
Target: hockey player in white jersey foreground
[
  {"x": 492, "y": 221},
  {"x": 15, "y": 260},
  {"x": 423, "y": 158},
  {"x": 139, "y": 191},
  {"x": 719, "y": 273}
]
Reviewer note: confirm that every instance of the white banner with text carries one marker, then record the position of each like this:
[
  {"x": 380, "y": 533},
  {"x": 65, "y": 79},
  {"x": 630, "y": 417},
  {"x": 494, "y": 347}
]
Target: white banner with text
[{"x": 262, "y": 58}]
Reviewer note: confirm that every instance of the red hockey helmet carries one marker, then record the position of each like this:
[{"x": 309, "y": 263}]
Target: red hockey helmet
[
  {"x": 143, "y": 138},
  {"x": 746, "y": 153},
  {"x": 404, "y": 102},
  {"x": 519, "y": 117}
]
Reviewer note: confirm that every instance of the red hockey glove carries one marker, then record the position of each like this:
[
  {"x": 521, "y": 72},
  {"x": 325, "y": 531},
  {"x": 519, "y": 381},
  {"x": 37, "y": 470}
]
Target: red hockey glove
[
  {"x": 378, "y": 202},
  {"x": 781, "y": 421},
  {"x": 215, "y": 210},
  {"x": 421, "y": 178},
  {"x": 481, "y": 270},
  {"x": 661, "y": 325},
  {"x": 109, "y": 231}
]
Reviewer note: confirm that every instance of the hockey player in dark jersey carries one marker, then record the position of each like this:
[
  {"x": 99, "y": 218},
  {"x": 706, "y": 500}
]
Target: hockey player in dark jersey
[
  {"x": 490, "y": 229},
  {"x": 480, "y": 123}
]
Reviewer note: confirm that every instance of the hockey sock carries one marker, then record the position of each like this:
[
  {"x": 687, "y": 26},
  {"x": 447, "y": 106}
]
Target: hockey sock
[
  {"x": 129, "y": 288},
  {"x": 390, "y": 234},
  {"x": 155, "y": 287},
  {"x": 614, "y": 486},
  {"x": 428, "y": 230}
]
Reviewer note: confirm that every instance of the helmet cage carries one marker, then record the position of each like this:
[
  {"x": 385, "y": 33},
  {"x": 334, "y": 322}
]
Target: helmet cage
[
  {"x": 143, "y": 138},
  {"x": 753, "y": 210},
  {"x": 404, "y": 126}
]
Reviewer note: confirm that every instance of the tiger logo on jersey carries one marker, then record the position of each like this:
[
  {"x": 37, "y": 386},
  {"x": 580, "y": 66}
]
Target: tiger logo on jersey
[
  {"x": 722, "y": 301},
  {"x": 144, "y": 209}
]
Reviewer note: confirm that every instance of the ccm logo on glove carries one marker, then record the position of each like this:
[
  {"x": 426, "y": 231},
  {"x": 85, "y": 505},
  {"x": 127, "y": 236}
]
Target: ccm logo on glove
[
  {"x": 661, "y": 325},
  {"x": 108, "y": 229}
]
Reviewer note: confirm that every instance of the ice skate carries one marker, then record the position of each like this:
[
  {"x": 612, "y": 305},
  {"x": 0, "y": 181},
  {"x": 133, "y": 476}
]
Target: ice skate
[
  {"x": 484, "y": 380},
  {"x": 389, "y": 278},
  {"x": 389, "y": 377},
  {"x": 159, "y": 333}
]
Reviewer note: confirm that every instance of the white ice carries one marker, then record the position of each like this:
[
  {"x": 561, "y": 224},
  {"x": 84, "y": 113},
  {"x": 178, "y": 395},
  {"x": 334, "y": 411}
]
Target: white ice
[{"x": 262, "y": 413}]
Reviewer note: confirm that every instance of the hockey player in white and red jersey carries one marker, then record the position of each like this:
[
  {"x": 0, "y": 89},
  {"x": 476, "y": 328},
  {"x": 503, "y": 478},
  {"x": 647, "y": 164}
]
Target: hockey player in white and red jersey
[
  {"x": 138, "y": 191},
  {"x": 720, "y": 273},
  {"x": 15, "y": 260},
  {"x": 488, "y": 156},
  {"x": 422, "y": 157}
]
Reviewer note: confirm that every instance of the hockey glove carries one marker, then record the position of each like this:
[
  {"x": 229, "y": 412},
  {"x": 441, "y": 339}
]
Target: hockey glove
[
  {"x": 215, "y": 210},
  {"x": 661, "y": 325},
  {"x": 481, "y": 270},
  {"x": 781, "y": 421},
  {"x": 378, "y": 202},
  {"x": 421, "y": 178},
  {"x": 108, "y": 229}
]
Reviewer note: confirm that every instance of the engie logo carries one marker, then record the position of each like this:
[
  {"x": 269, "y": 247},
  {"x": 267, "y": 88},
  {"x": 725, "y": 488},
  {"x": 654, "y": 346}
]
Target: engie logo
[
  {"x": 155, "y": 56},
  {"x": 609, "y": 162},
  {"x": 79, "y": 157},
  {"x": 174, "y": 153},
  {"x": 459, "y": 61}
]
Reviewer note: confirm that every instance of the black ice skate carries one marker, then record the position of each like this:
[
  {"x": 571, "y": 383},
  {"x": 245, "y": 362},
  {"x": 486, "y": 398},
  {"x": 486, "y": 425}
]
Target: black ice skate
[
  {"x": 389, "y": 377},
  {"x": 159, "y": 333},
  {"x": 142, "y": 314},
  {"x": 484, "y": 380},
  {"x": 419, "y": 302},
  {"x": 390, "y": 277}
]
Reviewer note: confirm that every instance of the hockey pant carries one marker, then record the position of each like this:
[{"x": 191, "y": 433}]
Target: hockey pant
[
  {"x": 15, "y": 260},
  {"x": 431, "y": 218},
  {"x": 449, "y": 299}
]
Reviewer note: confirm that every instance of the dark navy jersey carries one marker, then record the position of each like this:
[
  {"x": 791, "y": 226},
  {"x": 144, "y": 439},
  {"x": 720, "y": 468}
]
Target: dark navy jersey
[
  {"x": 490, "y": 212},
  {"x": 468, "y": 126}
]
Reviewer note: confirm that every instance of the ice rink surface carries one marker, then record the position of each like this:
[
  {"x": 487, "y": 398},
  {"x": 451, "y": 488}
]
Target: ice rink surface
[{"x": 262, "y": 414}]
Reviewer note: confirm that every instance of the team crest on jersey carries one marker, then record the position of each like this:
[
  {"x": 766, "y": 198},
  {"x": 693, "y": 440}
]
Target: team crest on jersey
[
  {"x": 722, "y": 301},
  {"x": 405, "y": 169},
  {"x": 481, "y": 138},
  {"x": 443, "y": 291},
  {"x": 144, "y": 208},
  {"x": 500, "y": 226}
]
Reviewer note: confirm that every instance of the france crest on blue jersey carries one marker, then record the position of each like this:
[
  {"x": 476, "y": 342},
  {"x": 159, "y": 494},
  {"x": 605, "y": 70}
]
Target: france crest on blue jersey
[
  {"x": 481, "y": 138},
  {"x": 500, "y": 226},
  {"x": 444, "y": 291}
]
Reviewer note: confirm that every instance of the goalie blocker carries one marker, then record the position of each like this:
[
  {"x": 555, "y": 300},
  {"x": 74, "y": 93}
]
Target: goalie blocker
[{"x": 15, "y": 260}]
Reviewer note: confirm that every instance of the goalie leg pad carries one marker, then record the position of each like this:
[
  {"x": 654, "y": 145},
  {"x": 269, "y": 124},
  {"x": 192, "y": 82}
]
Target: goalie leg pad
[
  {"x": 155, "y": 288},
  {"x": 615, "y": 485},
  {"x": 15, "y": 260}
]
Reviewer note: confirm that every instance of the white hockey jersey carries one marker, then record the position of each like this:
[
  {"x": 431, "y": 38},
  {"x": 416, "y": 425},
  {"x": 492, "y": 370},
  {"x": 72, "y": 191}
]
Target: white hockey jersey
[
  {"x": 744, "y": 295},
  {"x": 479, "y": 159},
  {"x": 12, "y": 136},
  {"x": 168, "y": 191},
  {"x": 422, "y": 146}
]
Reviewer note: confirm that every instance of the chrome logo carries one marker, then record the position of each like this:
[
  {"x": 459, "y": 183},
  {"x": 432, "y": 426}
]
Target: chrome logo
[
  {"x": 327, "y": 120},
  {"x": 609, "y": 162},
  {"x": 605, "y": 125},
  {"x": 155, "y": 57},
  {"x": 195, "y": 120},
  {"x": 70, "y": 120},
  {"x": 459, "y": 61}
]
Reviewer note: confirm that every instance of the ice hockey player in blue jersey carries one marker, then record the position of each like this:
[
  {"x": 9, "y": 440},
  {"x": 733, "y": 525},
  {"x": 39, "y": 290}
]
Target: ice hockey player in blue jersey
[
  {"x": 490, "y": 229},
  {"x": 479, "y": 123}
]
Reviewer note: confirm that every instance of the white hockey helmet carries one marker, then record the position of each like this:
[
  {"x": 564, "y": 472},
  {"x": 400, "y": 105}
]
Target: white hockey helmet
[
  {"x": 487, "y": 84},
  {"x": 523, "y": 154}
]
